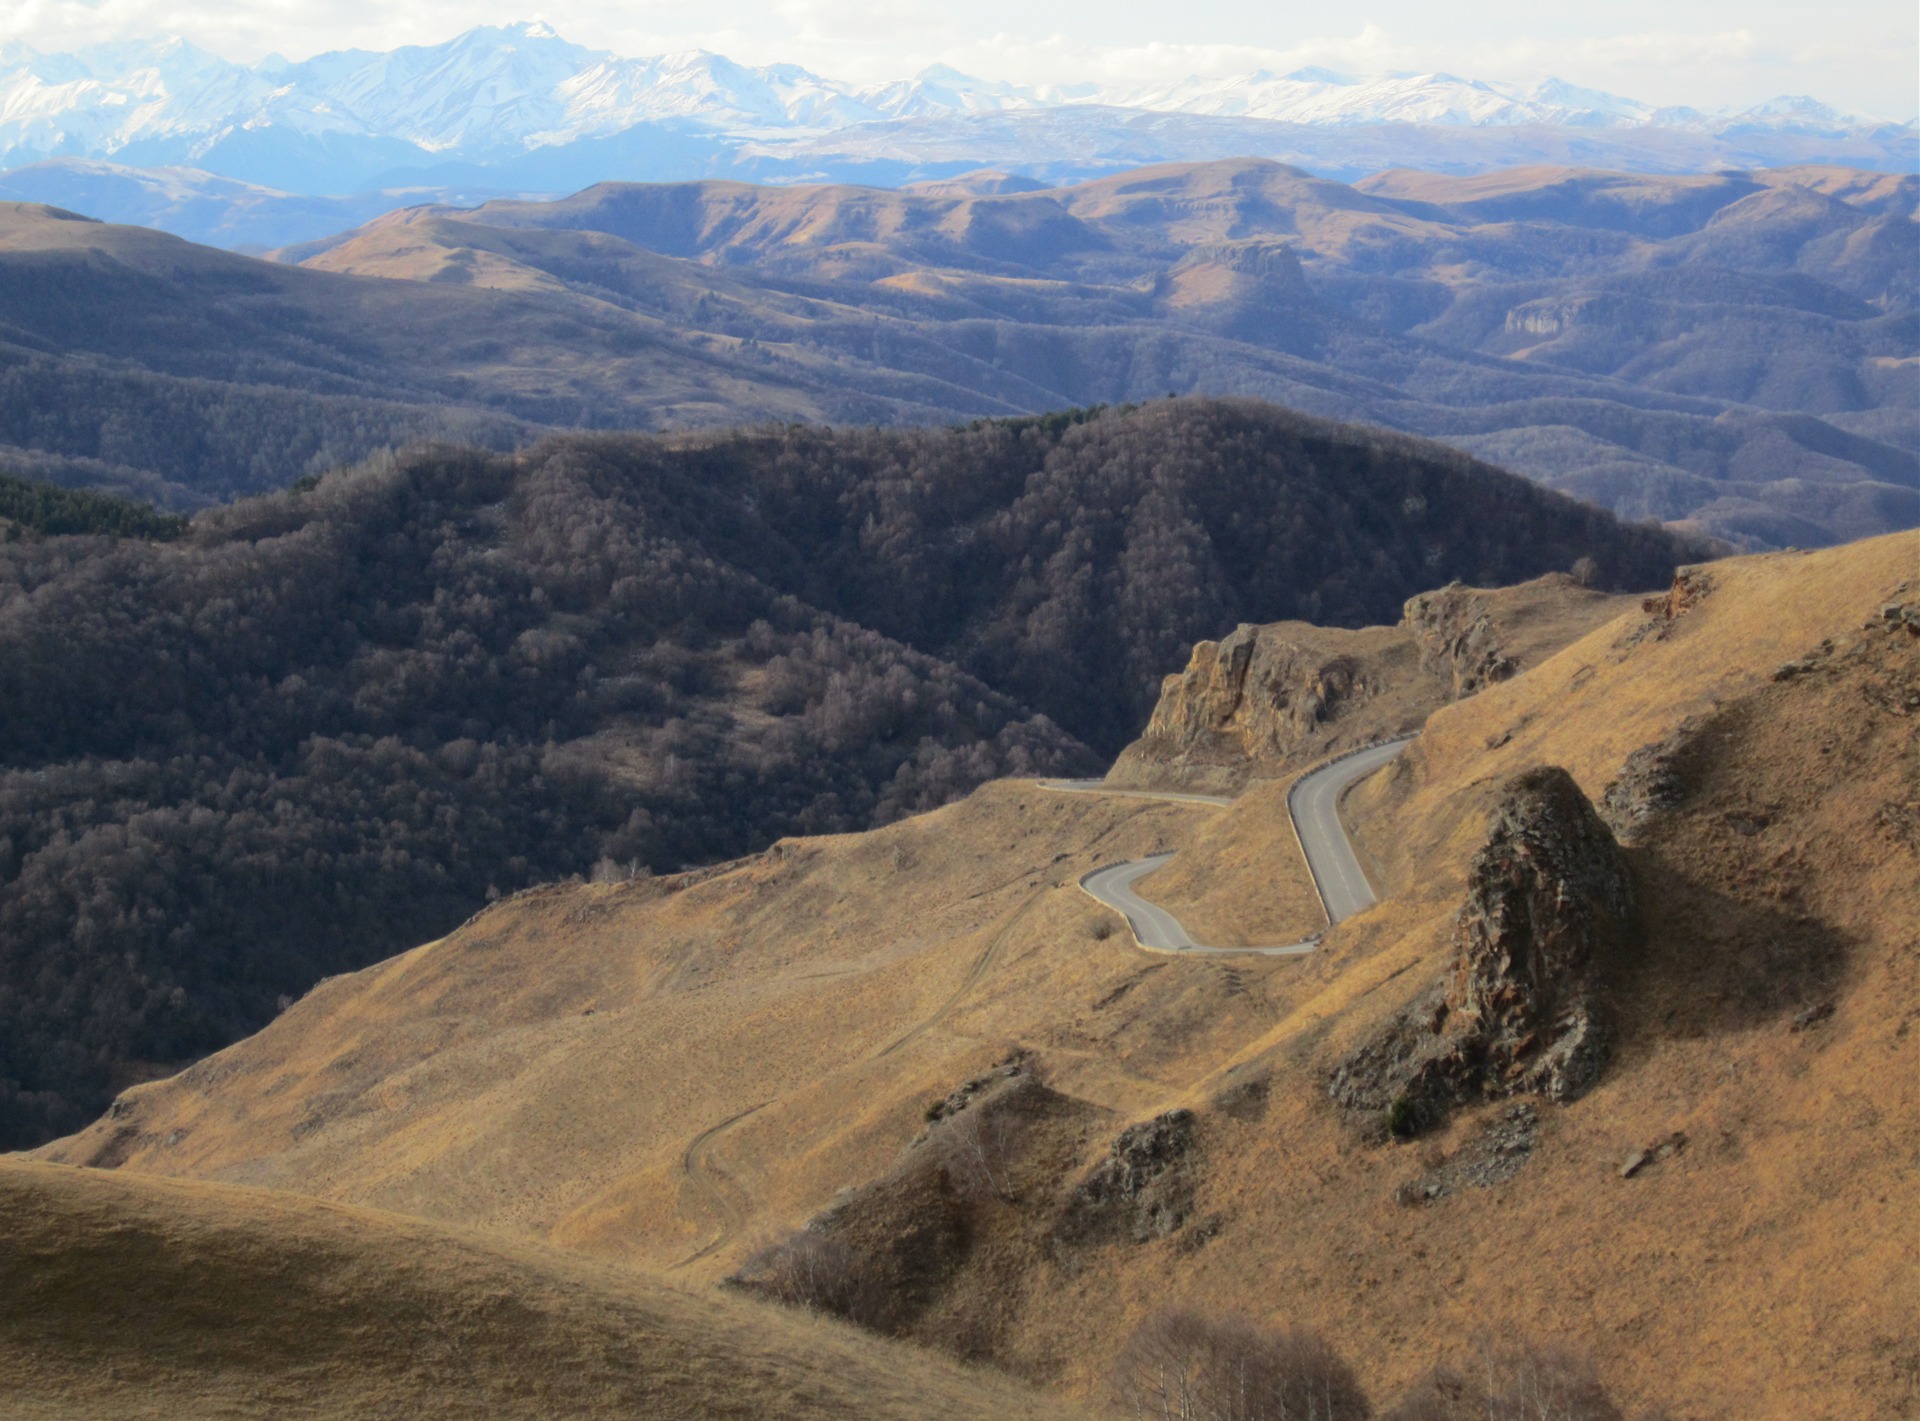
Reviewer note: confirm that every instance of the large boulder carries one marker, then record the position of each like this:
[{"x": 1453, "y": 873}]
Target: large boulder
[{"x": 1549, "y": 895}]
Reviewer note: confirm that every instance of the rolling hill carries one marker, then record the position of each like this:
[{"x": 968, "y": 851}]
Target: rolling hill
[
  {"x": 1735, "y": 353},
  {"x": 322, "y": 725},
  {"x": 130, "y": 1297},
  {"x": 922, "y": 1040}
]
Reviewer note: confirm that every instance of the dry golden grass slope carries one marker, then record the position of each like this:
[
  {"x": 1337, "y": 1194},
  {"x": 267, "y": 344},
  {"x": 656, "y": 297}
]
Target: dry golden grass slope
[
  {"x": 665, "y": 1072},
  {"x": 1269, "y": 700},
  {"x": 125, "y": 1296}
]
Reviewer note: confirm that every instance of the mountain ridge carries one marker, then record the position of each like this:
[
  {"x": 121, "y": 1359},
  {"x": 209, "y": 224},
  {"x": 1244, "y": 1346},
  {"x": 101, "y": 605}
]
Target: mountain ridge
[
  {"x": 495, "y": 95},
  {"x": 422, "y": 683},
  {"x": 1734, "y": 350},
  {"x": 926, "y": 1044}
]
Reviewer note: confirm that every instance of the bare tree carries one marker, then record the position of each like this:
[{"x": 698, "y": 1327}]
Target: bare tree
[
  {"x": 1181, "y": 1366},
  {"x": 980, "y": 1144},
  {"x": 1525, "y": 1383},
  {"x": 809, "y": 1270}
]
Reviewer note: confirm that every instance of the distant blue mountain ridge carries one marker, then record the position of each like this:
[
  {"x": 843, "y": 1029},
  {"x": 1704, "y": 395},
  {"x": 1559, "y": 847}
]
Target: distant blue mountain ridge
[{"x": 262, "y": 154}]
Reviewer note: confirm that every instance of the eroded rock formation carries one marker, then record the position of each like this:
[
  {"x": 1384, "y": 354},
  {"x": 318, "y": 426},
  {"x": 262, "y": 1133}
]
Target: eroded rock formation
[
  {"x": 1254, "y": 693},
  {"x": 1649, "y": 783},
  {"x": 1548, "y": 895},
  {"x": 1458, "y": 639},
  {"x": 1142, "y": 1190}
]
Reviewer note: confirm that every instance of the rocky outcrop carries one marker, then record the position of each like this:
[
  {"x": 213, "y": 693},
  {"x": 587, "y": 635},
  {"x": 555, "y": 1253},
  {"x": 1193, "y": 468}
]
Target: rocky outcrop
[
  {"x": 1269, "y": 700},
  {"x": 1690, "y": 586},
  {"x": 1254, "y": 695},
  {"x": 1649, "y": 783},
  {"x": 968, "y": 1091},
  {"x": 1458, "y": 639},
  {"x": 1548, "y": 895},
  {"x": 1143, "y": 1190}
]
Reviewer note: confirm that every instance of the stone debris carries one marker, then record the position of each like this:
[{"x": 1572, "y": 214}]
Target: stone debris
[
  {"x": 1493, "y": 1156},
  {"x": 1640, "y": 1160}
]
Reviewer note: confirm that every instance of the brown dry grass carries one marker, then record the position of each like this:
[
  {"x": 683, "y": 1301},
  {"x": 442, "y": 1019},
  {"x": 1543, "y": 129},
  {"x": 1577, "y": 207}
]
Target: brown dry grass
[
  {"x": 126, "y": 1296},
  {"x": 841, "y": 985},
  {"x": 1532, "y": 621},
  {"x": 1241, "y": 880}
]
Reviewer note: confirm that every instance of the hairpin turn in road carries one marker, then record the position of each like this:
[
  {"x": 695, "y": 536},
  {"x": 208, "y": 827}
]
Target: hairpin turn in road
[{"x": 1314, "y": 804}]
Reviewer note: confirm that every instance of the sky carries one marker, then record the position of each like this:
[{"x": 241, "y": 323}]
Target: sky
[{"x": 1858, "y": 55}]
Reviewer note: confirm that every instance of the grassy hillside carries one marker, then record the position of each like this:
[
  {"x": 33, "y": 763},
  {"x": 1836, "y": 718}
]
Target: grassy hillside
[
  {"x": 1736, "y": 351},
  {"x": 1265, "y": 700},
  {"x": 124, "y": 1297},
  {"x": 671, "y": 1072},
  {"x": 1616, "y": 335},
  {"x": 331, "y": 723}
]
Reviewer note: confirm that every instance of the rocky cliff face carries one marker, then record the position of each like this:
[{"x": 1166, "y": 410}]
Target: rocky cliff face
[
  {"x": 1270, "y": 700},
  {"x": 1458, "y": 639},
  {"x": 1547, "y": 894},
  {"x": 1257, "y": 694}
]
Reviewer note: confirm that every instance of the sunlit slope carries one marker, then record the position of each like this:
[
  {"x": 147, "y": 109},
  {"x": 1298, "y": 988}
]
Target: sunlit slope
[
  {"x": 127, "y": 1296},
  {"x": 765, "y": 1035},
  {"x": 1765, "y": 1026},
  {"x": 1267, "y": 701},
  {"x": 546, "y": 1069}
]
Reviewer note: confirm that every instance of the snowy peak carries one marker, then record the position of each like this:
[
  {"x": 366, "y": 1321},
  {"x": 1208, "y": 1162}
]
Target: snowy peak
[
  {"x": 940, "y": 89},
  {"x": 498, "y": 93}
]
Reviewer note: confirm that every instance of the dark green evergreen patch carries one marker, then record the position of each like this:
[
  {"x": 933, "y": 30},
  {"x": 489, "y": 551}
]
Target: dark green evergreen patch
[{"x": 30, "y": 506}]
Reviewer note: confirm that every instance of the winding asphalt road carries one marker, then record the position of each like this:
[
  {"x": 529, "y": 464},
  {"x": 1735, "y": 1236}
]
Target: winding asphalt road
[{"x": 1314, "y": 804}]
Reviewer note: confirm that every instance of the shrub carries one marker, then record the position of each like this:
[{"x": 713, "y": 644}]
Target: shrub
[
  {"x": 809, "y": 1270},
  {"x": 1403, "y": 1117},
  {"x": 979, "y": 1145},
  {"x": 1181, "y": 1366}
]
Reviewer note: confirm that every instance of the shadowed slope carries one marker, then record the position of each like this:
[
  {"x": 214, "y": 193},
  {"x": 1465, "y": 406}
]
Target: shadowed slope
[
  {"x": 124, "y": 1296},
  {"x": 1720, "y": 1220}
]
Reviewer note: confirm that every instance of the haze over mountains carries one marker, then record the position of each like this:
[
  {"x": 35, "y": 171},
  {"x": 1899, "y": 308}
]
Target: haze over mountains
[
  {"x": 519, "y": 109},
  {"x": 547, "y": 600},
  {"x": 1738, "y": 352}
]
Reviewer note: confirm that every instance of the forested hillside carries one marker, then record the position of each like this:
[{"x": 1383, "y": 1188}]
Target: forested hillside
[
  {"x": 1735, "y": 353},
  {"x": 330, "y": 723},
  {"x": 29, "y": 506}
]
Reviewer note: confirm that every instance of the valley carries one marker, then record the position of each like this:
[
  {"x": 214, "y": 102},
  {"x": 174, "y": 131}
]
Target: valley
[
  {"x": 1733, "y": 354},
  {"x": 921, "y": 1039},
  {"x": 1227, "y": 729},
  {"x": 319, "y": 726}
]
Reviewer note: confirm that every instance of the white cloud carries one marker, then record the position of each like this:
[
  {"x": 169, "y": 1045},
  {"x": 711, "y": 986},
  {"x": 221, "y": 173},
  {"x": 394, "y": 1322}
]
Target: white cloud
[{"x": 1859, "y": 55}]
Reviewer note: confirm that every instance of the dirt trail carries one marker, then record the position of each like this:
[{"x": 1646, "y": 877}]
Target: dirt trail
[
  {"x": 981, "y": 967},
  {"x": 695, "y": 1162},
  {"x": 695, "y": 1165}
]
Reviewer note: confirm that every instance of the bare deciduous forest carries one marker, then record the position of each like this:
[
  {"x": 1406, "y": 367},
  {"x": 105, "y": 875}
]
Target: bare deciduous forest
[{"x": 320, "y": 726}]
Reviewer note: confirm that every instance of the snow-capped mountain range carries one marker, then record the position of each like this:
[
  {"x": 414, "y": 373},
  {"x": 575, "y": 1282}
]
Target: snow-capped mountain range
[{"x": 496, "y": 94}]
